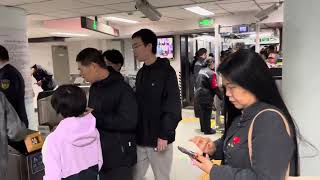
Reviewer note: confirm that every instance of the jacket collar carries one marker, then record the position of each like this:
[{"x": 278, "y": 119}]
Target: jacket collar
[
  {"x": 114, "y": 76},
  {"x": 3, "y": 65},
  {"x": 249, "y": 112},
  {"x": 158, "y": 63}
]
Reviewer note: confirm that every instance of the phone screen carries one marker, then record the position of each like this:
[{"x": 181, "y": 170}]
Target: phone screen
[{"x": 189, "y": 153}]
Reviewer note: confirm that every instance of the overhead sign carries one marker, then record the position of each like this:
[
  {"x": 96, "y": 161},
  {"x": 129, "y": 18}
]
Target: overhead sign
[
  {"x": 93, "y": 25},
  {"x": 207, "y": 22}
]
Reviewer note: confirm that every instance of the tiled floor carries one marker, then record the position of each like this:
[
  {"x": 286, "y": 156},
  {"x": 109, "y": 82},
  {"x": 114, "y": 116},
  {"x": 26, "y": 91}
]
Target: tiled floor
[{"x": 182, "y": 169}]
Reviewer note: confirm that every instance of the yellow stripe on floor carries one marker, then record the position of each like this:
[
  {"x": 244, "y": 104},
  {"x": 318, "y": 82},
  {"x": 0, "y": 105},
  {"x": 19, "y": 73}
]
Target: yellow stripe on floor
[{"x": 193, "y": 120}]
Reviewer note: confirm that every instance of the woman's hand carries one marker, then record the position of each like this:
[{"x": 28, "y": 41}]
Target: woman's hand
[
  {"x": 205, "y": 144},
  {"x": 203, "y": 163}
]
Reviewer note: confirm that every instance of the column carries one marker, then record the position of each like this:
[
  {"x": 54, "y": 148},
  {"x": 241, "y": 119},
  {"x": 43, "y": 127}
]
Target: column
[
  {"x": 13, "y": 35},
  {"x": 301, "y": 77}
]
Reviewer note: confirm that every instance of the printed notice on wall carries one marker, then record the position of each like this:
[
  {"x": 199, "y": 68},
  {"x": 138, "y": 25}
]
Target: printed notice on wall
[{"x": 16, "y": 42}]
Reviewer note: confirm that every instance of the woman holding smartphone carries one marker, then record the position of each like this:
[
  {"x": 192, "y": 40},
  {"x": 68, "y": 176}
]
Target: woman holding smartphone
[{"x": 251, "y": 89}]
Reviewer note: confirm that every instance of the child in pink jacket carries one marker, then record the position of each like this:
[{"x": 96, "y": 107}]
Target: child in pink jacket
[{"x": 72, "y": 151}]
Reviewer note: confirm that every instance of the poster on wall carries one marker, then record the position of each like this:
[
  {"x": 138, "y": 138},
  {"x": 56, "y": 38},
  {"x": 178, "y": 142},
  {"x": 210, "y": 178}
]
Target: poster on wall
[
  {"x": 165, "y": 47},
  {"x": 16, "y": 42}
]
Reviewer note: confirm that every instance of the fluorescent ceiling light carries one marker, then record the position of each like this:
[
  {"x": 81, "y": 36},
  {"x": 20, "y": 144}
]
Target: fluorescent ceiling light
[
  {"x": 121, "y": 20},
  {"x": 199, "y": 10},
  {"x": 69, "y": 34}
]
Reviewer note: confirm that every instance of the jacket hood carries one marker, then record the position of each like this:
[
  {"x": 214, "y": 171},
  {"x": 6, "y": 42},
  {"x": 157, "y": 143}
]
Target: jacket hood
[{"x": 79, "y": 131}]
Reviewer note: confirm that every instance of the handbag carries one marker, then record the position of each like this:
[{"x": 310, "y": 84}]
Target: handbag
[{"x": 289, "y": 133}]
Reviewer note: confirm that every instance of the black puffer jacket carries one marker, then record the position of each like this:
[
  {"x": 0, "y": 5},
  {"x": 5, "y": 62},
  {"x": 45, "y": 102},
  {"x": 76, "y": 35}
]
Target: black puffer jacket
[
  {"x": 115, "y": 109},
  {"x": 159, "y": 103}
]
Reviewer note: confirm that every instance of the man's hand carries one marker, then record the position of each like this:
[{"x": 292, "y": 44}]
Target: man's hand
[
  {"x": 162, "y": 144},
  {"x": 39, "y": 83}
]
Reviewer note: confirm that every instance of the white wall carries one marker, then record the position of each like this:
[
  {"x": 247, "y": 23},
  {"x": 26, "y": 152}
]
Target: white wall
[
  {"x": 74, "y": 47},
  {"x": 128, "y": 57},
  {"x": 301, "y": 82},
  {"x": 41, "y": 54}
]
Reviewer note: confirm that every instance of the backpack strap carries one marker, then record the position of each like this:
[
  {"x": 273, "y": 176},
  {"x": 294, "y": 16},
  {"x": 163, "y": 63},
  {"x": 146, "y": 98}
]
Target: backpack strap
[{"x": 251, "y": 131}]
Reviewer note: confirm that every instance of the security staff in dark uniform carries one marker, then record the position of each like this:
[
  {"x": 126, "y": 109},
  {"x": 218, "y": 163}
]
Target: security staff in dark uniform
[
  {"x": 204, "y": 97},
  {"x": 250, "y": 87},
  {"x": 12, "y": 85}
]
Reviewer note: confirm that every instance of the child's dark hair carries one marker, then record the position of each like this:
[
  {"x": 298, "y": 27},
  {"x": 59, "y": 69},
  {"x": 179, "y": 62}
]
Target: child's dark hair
[{"x": 69, "y": 101}]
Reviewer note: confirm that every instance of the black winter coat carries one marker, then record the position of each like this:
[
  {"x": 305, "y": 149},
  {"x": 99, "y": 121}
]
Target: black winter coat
[
  {"x": 12, "y": 85},
  {"x": 272, "y": 148},
  {"x": 203, "y": 92},
  {"x": 159, "y": 103},
  {"x": 45, "y": 77},
  {"x": 115, "y": 109}
]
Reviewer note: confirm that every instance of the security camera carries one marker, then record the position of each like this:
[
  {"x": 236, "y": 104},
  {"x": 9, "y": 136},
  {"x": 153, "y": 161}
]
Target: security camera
[
  {"x": 264, "y": 14},
  {"x": 148, "y": 10}
]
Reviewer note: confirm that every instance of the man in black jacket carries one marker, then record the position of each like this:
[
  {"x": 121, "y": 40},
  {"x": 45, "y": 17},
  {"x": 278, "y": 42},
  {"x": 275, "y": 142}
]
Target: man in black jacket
[
  {"x": 115, "y": 109},
  {"x": 159, "y": 108},
  {"x": 12, "y": 85}
]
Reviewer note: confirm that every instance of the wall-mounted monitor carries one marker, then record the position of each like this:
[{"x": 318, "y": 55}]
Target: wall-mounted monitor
[
  {"x": 165, "y": 47},
  {"x": 243, "y": 28}
]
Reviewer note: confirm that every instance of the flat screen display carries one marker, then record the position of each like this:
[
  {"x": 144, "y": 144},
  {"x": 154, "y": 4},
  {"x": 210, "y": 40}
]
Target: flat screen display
[
  {"x": 243, "y": 29},
  {"x": 165, "y": 47}
]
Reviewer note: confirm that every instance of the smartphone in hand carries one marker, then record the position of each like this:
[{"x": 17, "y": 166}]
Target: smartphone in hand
[{"x": 187, "y": 152}]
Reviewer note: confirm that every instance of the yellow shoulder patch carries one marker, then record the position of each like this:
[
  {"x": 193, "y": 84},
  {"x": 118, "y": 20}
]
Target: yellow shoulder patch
[{"x": 5, "y": 84}]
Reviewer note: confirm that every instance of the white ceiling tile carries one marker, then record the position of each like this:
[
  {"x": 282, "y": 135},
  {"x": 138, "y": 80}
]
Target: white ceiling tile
[
  {"x": 210, "y": 6},
  {"x": 62, "y": 14},
  {"x": 166, "y": 3},
  {"x": 104, "y": 2},
  {"x": 267, "y": 1},
  {"x": 176, "y": 12},
  {"x": 51, "y": 6},
  {"x": 122, "y": 6},
  {"x": 242, "y": 6},
  {"x": 201, "y": 1},
  {"x": 232, "y": 1},
  {"x": 36, "y": 17},
  {"x": 18, "y": 2},
  {"x": 93, "y": 11}
]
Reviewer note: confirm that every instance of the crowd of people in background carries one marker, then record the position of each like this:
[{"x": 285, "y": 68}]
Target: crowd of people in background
[{"x": 125, "y": 127}]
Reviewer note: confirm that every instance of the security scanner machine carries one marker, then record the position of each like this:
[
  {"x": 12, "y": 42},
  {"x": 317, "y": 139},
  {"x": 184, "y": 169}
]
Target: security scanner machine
[{"x": 25, "y": 158}]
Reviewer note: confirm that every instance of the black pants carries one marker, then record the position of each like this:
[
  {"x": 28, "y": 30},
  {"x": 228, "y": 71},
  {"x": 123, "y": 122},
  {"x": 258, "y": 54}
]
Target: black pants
[
  {"x": 205, "y": 111},
  {"x": 121, "y": 173}
]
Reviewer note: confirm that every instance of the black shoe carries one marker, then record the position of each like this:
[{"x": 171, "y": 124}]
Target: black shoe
[{"x": 212, "y": 131}]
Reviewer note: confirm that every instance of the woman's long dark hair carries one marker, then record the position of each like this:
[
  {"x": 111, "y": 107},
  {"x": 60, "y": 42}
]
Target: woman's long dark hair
[{"x": 247, "y": 69}]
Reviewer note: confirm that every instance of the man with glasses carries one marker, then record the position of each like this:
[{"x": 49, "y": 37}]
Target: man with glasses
[{"x": 159, "y": 108}]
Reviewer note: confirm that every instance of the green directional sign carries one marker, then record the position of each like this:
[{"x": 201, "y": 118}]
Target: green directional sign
[
  {"x": 206, "y": 22},
  {"x": 94, "y": 25}
]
